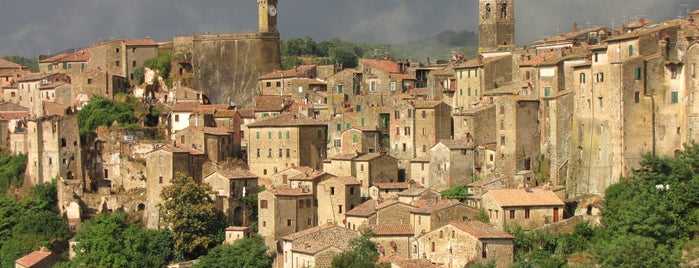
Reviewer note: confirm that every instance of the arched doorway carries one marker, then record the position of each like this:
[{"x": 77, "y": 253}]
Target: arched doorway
[{"x": 238, "y": 216}]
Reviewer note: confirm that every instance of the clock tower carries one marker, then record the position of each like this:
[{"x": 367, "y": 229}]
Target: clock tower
[
  {"x": 496, "y": 25},
  {"x": 267, "y": 13}
]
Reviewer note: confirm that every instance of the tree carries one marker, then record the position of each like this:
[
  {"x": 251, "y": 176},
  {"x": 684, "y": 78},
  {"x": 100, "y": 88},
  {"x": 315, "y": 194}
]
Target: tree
[
  {"x": 249, "y": 252},
  {"x": 344, "y": 55},
  {"x": 31, "y": 63},
  {"x": 459, "y": 192},
  {"x": 109, "y": 241},
  {"x": 362, "y": 254},
  {"x": 189, "y": 211},
  {"x": 100, "y": 111},
  {"x": 12, "y": 168}
]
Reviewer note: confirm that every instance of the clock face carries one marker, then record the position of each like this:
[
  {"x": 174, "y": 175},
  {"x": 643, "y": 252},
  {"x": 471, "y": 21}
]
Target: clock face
[{"x": 272, "y": 11}]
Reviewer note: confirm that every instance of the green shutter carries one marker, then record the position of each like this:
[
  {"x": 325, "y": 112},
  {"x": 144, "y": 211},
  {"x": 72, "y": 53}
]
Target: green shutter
[
  {"x": 547, "y": 91},
  {"x": 461, "y": 74},
  {"x": 461, "y": 91},
  {"x": 280, "y": 135},
  {"x": 339, "y": 127},
  {"x": 339, "y": 89},
  {"x": 476, "y": 71},
  {"x": 355, "y": 138},
  {"x": 675, "y": 97},
  {"x": 469, "y": 73},
  {"x": 288, "y": 134},
  {"x": 469, "y": 91},
  {"x": 638, "y": 73},
  {"x": 362, "y": 121},
  {"x": 258, "y": 135},
  {"x": 630, "y": 50},
  {"x": 269, "y": 135},
  {"x": 347, "y": 126}
]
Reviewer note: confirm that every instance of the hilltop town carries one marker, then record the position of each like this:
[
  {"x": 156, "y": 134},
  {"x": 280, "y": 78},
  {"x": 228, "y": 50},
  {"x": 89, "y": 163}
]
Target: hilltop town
[{"x": 533, "y": 135}]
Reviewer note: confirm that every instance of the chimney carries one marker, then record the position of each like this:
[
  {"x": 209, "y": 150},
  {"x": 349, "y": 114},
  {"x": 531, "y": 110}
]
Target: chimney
[
  {"x": 575, "y": 26},
  {"x": 147, "y": 37}
]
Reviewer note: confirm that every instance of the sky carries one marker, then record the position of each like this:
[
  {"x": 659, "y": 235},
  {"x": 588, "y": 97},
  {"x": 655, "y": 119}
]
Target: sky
[{"x": 32, "y": 27}]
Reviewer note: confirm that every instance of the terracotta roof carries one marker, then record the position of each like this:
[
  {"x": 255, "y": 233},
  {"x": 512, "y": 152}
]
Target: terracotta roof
[
  {"x": 392, "y": 185},
  {"x": 403, "y": 76},
  {"x": 391, "y": 202},
  {"x": 271, "y": 103},
  {"x": 417, "y": 191},
  {"x": 365, "y": 209},
  {"x": 384, "y": 65},
  {"x": 393, "y": 230},
  {"x": 308, "y": 231},
  {"x": 247, "y": 112},
  {"x": 287, "y": 120},
  {"x": 311, "y": 247},
  {"x": 481, "y": 230},
  {"x": 33, "y": 258},
  {"x": 368, "y": 156},
  {"x": 237, "y": 174},
  {"x": 480, "y": 61},
  {"x": 12, "y": 107},
  {"x": 296, "y": 72},
  {"x": 539, "y": 58},
  {"x": 525, "y": 198},
  {"x": 289, "y": 192},
  {"x": 6, "y": 64},
  {"x": 431, "y": 207},
  {"x": 237, "y": 228},
  {"x": 457, "y": 144},
  {"x": 33, "y": 77},
  {"x": 13, "y": 115},
  {"x": 216, "y": 131},
  {"x": 225, "y": 113},
  {"x": 185, "y": 106},
  {"x": 140, "y": 42}
]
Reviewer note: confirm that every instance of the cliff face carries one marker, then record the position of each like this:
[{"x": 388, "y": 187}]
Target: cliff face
[{"x": 228, "y": 65}]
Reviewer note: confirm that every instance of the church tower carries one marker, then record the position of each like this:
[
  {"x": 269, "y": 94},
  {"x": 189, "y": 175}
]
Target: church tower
[
  {"x": 496, "y": 25},
  {"x": 267, "y": 13}
]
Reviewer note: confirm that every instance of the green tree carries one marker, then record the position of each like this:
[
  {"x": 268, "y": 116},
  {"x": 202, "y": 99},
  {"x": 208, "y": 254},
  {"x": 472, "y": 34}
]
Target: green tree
[
  {"x": 459, "y": 192},
  {"x": 189, "y": 211},
  {"x": 109, "y": 241},
  {"x": 12, "y": 168},
  {"x": 344, "y": 55},
  {"x": 362, "y": 253},
  {"x": 249, "y": 252},
  {"x": 100, "y": 111},
  {"x": 139, "y": 74},
  {"x": 31, "y": 63}
]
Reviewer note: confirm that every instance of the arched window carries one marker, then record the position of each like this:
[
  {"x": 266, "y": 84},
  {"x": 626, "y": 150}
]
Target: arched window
[
  {"x": 487, "y": 10},
  {"x": 503, "y": 11}
]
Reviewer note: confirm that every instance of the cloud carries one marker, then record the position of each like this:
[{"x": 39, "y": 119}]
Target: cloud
[{"x": 31, "y": 27}]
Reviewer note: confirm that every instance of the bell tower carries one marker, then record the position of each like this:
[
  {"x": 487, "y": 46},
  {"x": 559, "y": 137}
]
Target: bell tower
[
  {"x": 267, "y": 16},
  {"x": 496, "y": 25}
]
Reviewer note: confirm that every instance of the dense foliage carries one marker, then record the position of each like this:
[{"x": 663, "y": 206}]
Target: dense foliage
[
  {"x": 161, "y": 64},
  {"x": 190, "y": 212},
  {"x": 109, "y": 241},
  {"x": 100, "y": 111},
  {"x": 250, "y": 252},
  {"x": 459, "y": 192},
  {"x": 31, "y": 223},
  {"x": 362, "y": 253},
  {"x": 11, "y": 170},
  {"x": 647, "y": 220},
  {"x": 31, "y": 63}
]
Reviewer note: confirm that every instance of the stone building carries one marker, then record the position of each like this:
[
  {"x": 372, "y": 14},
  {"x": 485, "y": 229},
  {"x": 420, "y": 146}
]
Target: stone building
[
  {"x": 360, "y": 139},
  {"x": 417, "y": 193},
  {"x": 271, "y": 105},
  {"x": 216, "y": 143},
  {"x": 121, "y": 57},
  {"x": 284, "y": 141},
  {"x": 518, "y": 136},
  {"x": 363, "y": 215},
  {"x": 432, "y": 214},
  {"x": 70, "y": 63},
  {"x": 12, "y": 124},
  {"x": 336, "y": 196},
  {"x": 529, "y": 208},
  {"x": 478, "y": 76},
  {"x": 53, "y": 148},
  {"x": 432, "y": 124},
  {"x": 387, "y": 190},
  {"x": 315, "y": 247},
  {"x": 393, "y": 240},
  {"x": 95, "y": 82},
  {"x": 35, "y": 88},
  {"x": 235, "y": 233},
  {"x": 451, "y": 164},
  {"x": 368, "y": 168},
  {"x": 229, "y": 187},
  {"x": 392, "y": 212},
  {"x": 227, "y": 66},
  {"x": 278, "y": 82},
  {"x": 284, "y": 211},
  {"x": 164, "y": 163},
  {"x": 496, "y": 25},
  {"x": 462, "y": 243}
]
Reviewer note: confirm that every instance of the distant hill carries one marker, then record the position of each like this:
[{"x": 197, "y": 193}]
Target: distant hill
[{"x": 439, "y": 46}]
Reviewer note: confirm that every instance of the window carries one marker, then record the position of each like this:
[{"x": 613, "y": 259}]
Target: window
[
  {"x": 89, "y": 81},
  {"x": 372, "y": 86},
  {"x": 308, "y": 203},
  {"x": 512, "y": 214},
  {"x": 502, "y": 109},
  {"x": 177, "y": 118},
  {"x": 288, "y": 222},
  {"x": 600, "y": 77},
  {"x": 461, "y": 92},
  {"x": 258, "y": 152},
  {"x": 339, "y": 208},
  {"x": 257, "y": 135},
  {"x": 469, "y": 91},
  {"x": 269, "y": 152},
  {"x": 117, "y": 63},
  {"x": 601, "y": 102},
  {"x": 332, "y": 190},
  {"x": 339, "y": 126},
  {"x": 288, "y": 152},
  {"x": 424, "y": 148},
  {"x": 484, "y": 251},
  {"x": 362, "y": 121},
  {"x": 630, "y": 50},
  {"x": 300, "y": 203},
  {"x": 526, "y": 213},
  {"x": 410, "y": 113},
  {"x": 361, "y": 168},
  {"x": 502, "y": 140},
  {"x": 424, "y": 114},
  {"x": 117, "y": 50},
  {"x": 269, "y": 135},
  {"x": 405, "y": 147},
  {"x": 268, "y": 84},
  {"x": 133, "y": 63},
  {"x": 673, "y": 72},
  {"x": 288, "y": 134},
  {"x": 469, "y": 73},
  {"x": 638, "y": 73},
  {"x": 279, "y": 84},
  {"x": 355, "y": 138},
  {"x": 675, "y": 97},
  {"x": 596, "y": 57},
  {"x": 160, "y": 179},
  {"x": 527, "y": 75},
  {"x": 397, "y": 114},
  {"x": 281, "y": 152},
  {"x": 339, "y": 89},
  {"x": 348, "y": 126},
  {"x": 582, "y": 78},
  {"x": 637, "y": 97},
  {"x": 407, "y": 131},
  {"x": 264, "y": 223},
  {"x": 432, "y": 247},
  {"x": 441, "y": 234},
  {"x": 263, "y": 204},
  {"x": 358, "y": 108},
  {"x": 502, "y": 125},
  {"x": 547, "y": 91}
]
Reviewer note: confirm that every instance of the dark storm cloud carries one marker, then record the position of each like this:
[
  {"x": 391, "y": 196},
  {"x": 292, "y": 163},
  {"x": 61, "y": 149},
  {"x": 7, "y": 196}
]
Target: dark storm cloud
[{"x": 31, "y": 27}]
